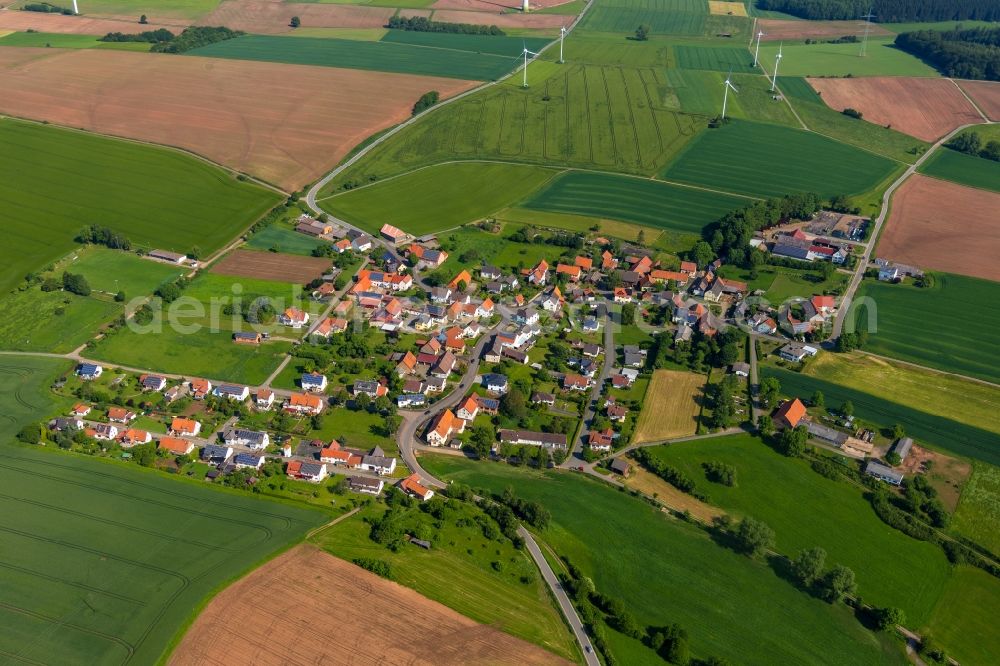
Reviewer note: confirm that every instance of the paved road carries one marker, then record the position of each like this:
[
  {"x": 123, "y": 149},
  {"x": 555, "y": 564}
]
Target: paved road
[
  {"x": 576, "y": 454},
  {"x": 754, "y": 379}
]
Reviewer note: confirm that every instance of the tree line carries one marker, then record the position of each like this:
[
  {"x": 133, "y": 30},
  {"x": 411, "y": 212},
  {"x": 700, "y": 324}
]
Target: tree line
[
  {"x": 164, "y": 41},
  {"x": 971, "y": 143},
  {"x": 887, "y": 11},
  {"x": 424, "y": 24},
  {"x": 968, "y": 54},
  {"x": 148, "y": 36}
]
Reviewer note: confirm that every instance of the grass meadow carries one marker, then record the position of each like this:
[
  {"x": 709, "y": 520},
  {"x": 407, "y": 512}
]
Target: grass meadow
[
  {"x": 172, "y": 8},
  {"x": 963, "y": 622},
  {"x": 948, "y": 326},
  {"x": 883, "y": 59},
  {"x": 581, "y": 223},
  {"x": 54, "y": 321},
  {"x": 780, "y": 284},
  {"x": 55, "y": 181},
  {"x": 806, "y": 510},
  {"x": 438, "y": 197},
  {"x": 433, "y": 58},
  {"x": 486, "y": 595},
  {"x": 24, "y": 391},
  {"x": 667, "y": 571},
  {"x": 57, "y": 40},
  {"x": 112, "y": 270},
  {"x": 963, "y": 169},
  {"x": 506, "y": 47},
  {"x": 639, "y": 200},
  {"x": 673, "y": 17},
  {"x": 759, "y": 159},
  {"x": 105, "y": 563},
  {"x": 284, "y": 239},
  {"x": 978, "y": 513}
]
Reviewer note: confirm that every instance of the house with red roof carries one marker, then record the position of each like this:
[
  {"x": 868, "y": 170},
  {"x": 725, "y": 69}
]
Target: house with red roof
[{"x": 790, "y": 413}]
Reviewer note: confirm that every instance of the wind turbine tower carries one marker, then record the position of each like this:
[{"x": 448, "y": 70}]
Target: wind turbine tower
[
  {"x": 562, "y": 36},
  {"x": 777, "y": 61},
  {"x": 726, "y": 85},
  {"x": 868, "y": 26},
  {"x": 76, "y": 10},
  {"x": 524, "y": 6},
  {"x": 756, "y": 51},
  {"x": 524, "y": 82}
]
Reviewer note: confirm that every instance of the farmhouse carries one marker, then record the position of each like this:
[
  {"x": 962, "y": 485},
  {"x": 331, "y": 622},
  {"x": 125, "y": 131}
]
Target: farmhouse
[
  {"x": 391, "y": 233},
  {"x": 790, "y": 413},
  {"x": 293, "y": 317},
  {"x": 548, "y": 440},
  {"x": 376, "y": 461},
  {"x": 902, "y": 447},
  {"x": 178, "y": 447},
  {"x": 826, "y": 434},
  {"x": 247, "y": 338},
  {"x": 620, "y": 466},
  {"x": 880, "y": 471},
  {"x": 411, "y": 486},
  {"x": 184, "y": 427}
]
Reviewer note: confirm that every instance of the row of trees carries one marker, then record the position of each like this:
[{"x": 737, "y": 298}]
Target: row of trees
[
  {"x": 148, "y": 36},
  {"x": 424, "y": 24},
  {"x": 887, "y": 11},
  {"x": 196, "y": 37},
  {"x": 98, "y": 235},
  {"x": 971, "y": 143},
  {"x": 966, "y": 54}
]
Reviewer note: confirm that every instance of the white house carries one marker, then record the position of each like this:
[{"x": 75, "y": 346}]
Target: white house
[
  {"x": 293, "y": 317},
  {"x": 314, "y": 382}
]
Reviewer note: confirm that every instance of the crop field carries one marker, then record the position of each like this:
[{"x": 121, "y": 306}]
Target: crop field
[
  {"x": 986, "y": 95},
  {"x": 384, "y": 56},
  {"x": 883, "y": 59},
  {"x": 18, "y": 21},
  {"x": 24, "y": 390},
  {"x": 383, "y": 622},
  {"x": 67, "y": 41},
  {"x": 943, "y": 226},
  {"x": 925, "y": 108},
  {"x": 939, "y": 432},
  {"x": 286, "y": 124},
  {"x": 438, "y": 197},
  {"x": 600, "y": 49},
  {"x": 779, "y": 30},
  {"x": 268, "y": 17},
  {"x": 671, "y": 407},
  {"x": 978, "y": 513},
  {"x": 581, "y": 223},
  {"x": 462, "y": 553},
  {"x": 805, "y": 509},
  {"x": 272, "y": 266},
  {"x": 639, "y": 200},
  {"x": 606, "y": 118},
  {"x": 110, "y": 571},
  {"x": 672, "y": 572},
  {"x": 963, "y": 169},
  {"x": 715, "y": 58},
  {"x": 700, "y": 91},
  {"x": 961, "y": 621},
  {"x": 283, "y": 239},
  {"x": 672, "y": 17},
  {"x": 821, "y": 118},
  {"x": 158, "y": 198},
  {"x": 506, "y": 47},
  {"x": 53, "y": 321},
  {"x": 187, "y": 9},
  {"x": 793, "y": 159}
]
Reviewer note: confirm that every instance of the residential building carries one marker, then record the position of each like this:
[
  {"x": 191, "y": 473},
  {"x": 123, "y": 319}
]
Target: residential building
[
  {"x": 61, "y": 424},
  {"x": 152, "y": 382},
  {"x": 442, "y": 427},
  {"x": 293, "y": 317},
  {"x": 411, "y": 400},
  {"x": 790, "y": 413},
  {"x": 232, "y": 392},
  {"x": 601, "y": 441},
  {"x": 251, "y": 439},
  {"x": 264, "y": 399},
  {"x": 740, "y": 369},
  {"x": 411, "y": 486},
  {"x": 495, "y": 383},
  {"x": 248, "y": 461},
  {"x": 370, "y": 388},
  {"x": 331, "y": 325},
  {"x": 546, "y": 440},
  {"x": 540, "y": 398},
  {"x": 304, "y": 403},
  {"x": 363, "y": 484},
  {"x": 376, "y": 461},
  {"x": 200, "y": 388},
  {"x": 796, "y": 352},
  {"x": 89, "y": 371},
  {"x": 575, "y": 382},
  {"x": 880, "y": 471},
  {"x": 306, "y": 471},
  {"x": 184, "y": 427},
  {"x": 314, "y": 382},
  {"x": 216, "y": 455},
  {"x": 120, "y": 415},
  {"x": 178, "y": 447}
]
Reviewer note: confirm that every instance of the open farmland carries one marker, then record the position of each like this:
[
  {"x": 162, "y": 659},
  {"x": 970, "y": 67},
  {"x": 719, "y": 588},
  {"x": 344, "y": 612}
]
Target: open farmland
[
  {"x": 780, "y": 30},
  {"x": 272, "y": 16},
  {"x": 767, "y": 160},
  {"x": 667, "y": 571},
  {"x": 268, "y": 617},
  {"x": 77, "y": 25},
  {"x": 607, "y": 118},
  {"x": 978, "y": 513},
  {"x": 805, "y": 509},
  {"x": 286, "y": 124},
  {"x": 925, "y": 108},
  {"x": 962, "y": 620},
  {"x": 943, "y": 226},
  {"x": 671, "y": 407},
  {"x": 272, "y": 266},
  {"x": 385, "y": 56},
  {"x": 640, "y": 200},
  {"x": 883, "y": 59},
  {"x": 24, "y": 390},
  {"x": 110, "y": 571},
  {"x": 715, "y": 58},
  {"x": 508, "y": 47},
  {"x": 986, "y": 95},
  {"x": 506, "y": 20},
  {"x": 158, "y": 198},
  {"x": 674, "y": 17},
  {"x": 176, "y": 9},
  {"x": 283, "y": 239},
  {"x": 57, "y": 40},
  {"x": 963, "y": 169},
  {"x": 438, "y": 197}
]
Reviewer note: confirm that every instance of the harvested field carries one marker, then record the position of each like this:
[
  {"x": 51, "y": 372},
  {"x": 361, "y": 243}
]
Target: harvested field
[
  {"x": 721, "y": 8},
  {"x": 270, "y": 17},
  {"x": 270, "y": 616},
  {"x": 939, "y": 225},
  {"x": 671, "y": 406},
  {"x": 925, "y": 108},
  {"x": 649, "y": 484},
  {"x": 272, "y": 266},
  {"x": 986, "y": 94},
  {"x": 776, "y": 30},
  {"x": 77, "y": 25},
  {"x": 286, "y": 124}
]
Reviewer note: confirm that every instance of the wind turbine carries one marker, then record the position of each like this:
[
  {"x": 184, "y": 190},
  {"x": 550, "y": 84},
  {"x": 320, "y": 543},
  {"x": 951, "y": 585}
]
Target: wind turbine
[
  {"x": 76, "y": 10},
  {"x": 777, "y": 61},
  {"x": 562, "y": 36},
  {"x": 756, "y": 51},
  {"x": 526, "y": 53},
  {"x": 868, "y": 25},
  {"x": 726, "y": 85}
]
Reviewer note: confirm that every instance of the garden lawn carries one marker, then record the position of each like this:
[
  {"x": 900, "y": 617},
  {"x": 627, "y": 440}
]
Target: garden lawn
[
  {"x": 640, "y": 200},
  {"x": 355, "y": 429},
  {"x": 667, "y": 571},
  {"x": 780, "y": 283},
  {"x": 24, "y": 391},
  {"x": 805, "y": 509},
  {"x": 950, "y": 326},
  {"x": 439, "y": 197},
  {"x": 462, "y": 554},
  {"x": 978, "y": 513},
  {"x": 964, "y": 169},
  {"x": 766, "y": 160},
  {"x": 158, "y": 198},
  {"x": 107, "y": 562},
  {"x": 883, "y": 59},
  {"x": 963, "y": 621},
  {"x": 283, "y": 239}
]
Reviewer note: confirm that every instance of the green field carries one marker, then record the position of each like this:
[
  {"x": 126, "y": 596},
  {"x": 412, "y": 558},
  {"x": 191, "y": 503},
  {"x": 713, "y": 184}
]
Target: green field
[
  {"x": 606, "y": 118},
  {"x": 65, "y": 41},
  {"x": 462, "y": 554},
  {"x": 638, "y": 200},
  {"x": 429, "y": 59},
  {"x": 883, "y": 59},
  {"x": 157, "y": 197},
  {"x": 113, "y": 270},
  {"x": 701, "y": 92},
  {"x": 963, "y": 336},
  {"x": 669, "y": 17},
  {"x": 766, "y": 160},
  {"x": 105, "y": 563},
  {"x": 284, "y": 239},
  {"x": 806, "y": 510},
  {"x": 780, "y": 284},
  {"x": 438, "y": 197},
  {"x": 164, "y": 8},
  {"x": 54, "y": 321},
  {"x": 506, "y": 47},
  {"x": 964, "y": 169},
  {"x": 978, "y": 513},
  {"x": 599, "y": 49},
  {"x": 24, "y": 391},
  {"x": 715, "y": 58},
  {"x": 962, "y": 622},
  {"x": 667, "y": 571}
]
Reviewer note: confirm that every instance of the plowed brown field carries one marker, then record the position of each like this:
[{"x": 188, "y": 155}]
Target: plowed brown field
[
  {"x": 77, "y": 25},
  {"x": 943, "y": 226},
  {"x": 925, "y": 108},
  {"x": 272, "y": 16},
  {"x": 778, "y": 30},
  {"x": 272, "y": 266},
  {"x": 986, "y": 94},
  {"x": 307, "y": 607},
  {"x": 287, "y": 124}
]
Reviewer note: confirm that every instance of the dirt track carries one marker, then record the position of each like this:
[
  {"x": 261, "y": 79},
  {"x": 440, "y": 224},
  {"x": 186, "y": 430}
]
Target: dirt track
[
  {"x": 777, "y": 30},
  {"x": 307, "y": 607},
  {"x": 925, "y": 108},
  {"x": 943, "y": 226},
  {"x": 986, "y": 94},
  {"x": 287, "y": 124}
]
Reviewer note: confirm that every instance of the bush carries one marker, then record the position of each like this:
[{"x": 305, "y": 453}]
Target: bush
[
  {"x": 852, "y": 113},
  {"x": 754, "y": 537},
  {"x": 376, "y": 566},
  {"x": 426, "y": 101},
  {"x": 720, "y": 472},
  {"x": 30, "y": 434}
]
